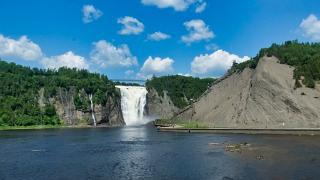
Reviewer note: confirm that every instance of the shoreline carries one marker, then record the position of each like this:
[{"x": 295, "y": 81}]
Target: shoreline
[
  {"x": 178, "y": 129},
  {"x": 42, "y": 127},
  {"x": 274, "y": 131}
]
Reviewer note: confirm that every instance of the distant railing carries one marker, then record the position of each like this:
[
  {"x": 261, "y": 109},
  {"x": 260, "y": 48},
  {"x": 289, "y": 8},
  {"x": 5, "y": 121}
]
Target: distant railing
[{"x": 130, "y": 81}]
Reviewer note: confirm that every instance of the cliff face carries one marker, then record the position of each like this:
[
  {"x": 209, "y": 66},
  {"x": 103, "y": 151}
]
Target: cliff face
[
  {"x": 260, "y": 98},
  {"x": 158, "y": 106},
  {"x": 109, "y": 114}
]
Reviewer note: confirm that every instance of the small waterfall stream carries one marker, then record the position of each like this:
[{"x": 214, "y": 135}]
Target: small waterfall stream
[
  {"x": 92, "y": 110},
  {"x": 133, "y": 101}
]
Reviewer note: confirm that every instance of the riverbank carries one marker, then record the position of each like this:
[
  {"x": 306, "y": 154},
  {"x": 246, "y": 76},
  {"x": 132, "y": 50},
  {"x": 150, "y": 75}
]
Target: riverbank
[
  {"x": 8, "y": 128},
  {"x": 163, "y": 123},
  {"x": 296, "y": 131},
  {"x": 166, "y": 125},
  {"x": 3, "y": 128}
]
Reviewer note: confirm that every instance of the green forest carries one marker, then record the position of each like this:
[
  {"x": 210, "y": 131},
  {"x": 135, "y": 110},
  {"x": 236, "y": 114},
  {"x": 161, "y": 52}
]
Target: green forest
[
  {"x": 180, "y": 89},
  {"x": 304, "y": 57},
  {"x": 19, "y": 92}
]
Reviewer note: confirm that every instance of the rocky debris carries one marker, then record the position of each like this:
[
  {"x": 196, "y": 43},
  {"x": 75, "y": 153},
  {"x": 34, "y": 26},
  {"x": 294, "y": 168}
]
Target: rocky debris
[
  {"x": 260, "y": 157},
  {"x": 257, "y": 98},
  {"x": 215, "y": 144},
  {"x": 238, "y": 148}
]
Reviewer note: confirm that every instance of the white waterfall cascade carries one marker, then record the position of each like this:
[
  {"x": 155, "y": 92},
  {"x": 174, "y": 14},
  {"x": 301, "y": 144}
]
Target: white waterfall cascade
[
  {"x": 92, "y": 110},
  {"x": 133, "y": 100}
]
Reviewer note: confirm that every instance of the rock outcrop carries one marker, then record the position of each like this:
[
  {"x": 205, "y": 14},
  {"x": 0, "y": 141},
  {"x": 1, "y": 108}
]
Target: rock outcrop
[
  {"x": 160, "y": 106},
  {"x": 108, "y": 114},
  {"x": 264, "y": 97}
]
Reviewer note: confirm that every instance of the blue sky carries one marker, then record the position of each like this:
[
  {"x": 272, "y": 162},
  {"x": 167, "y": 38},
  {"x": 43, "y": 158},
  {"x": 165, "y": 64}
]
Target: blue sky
[{"x": 55, "y": 33}]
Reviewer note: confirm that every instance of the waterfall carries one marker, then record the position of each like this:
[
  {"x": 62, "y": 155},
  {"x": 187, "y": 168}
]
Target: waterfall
[
  {"x": 133, "y": 100},
  {"x": 92, "y": 110}
]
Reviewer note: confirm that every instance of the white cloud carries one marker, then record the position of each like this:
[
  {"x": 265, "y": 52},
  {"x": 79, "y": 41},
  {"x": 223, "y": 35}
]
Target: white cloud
[
  {"x": 311, "y": 27},
  {"x": 130, "y": 25},
  {"x": 201, "y": 7},
  {"x": 22, "y": 48},
  {"x": 178, "y": 5},
  {"x": 218, "y": 61},
  {"x": 158, "y": 36},
  {"x": 129, "y": 72},
  {"x": 90, "y": 13},
  {"x": 107, "y": 55},
  {"x": 198, "y": 31},
  {"x": 68, "y": 59},
  {"x": 211, "y": 47},
  {"x": 155, "y": 66}
]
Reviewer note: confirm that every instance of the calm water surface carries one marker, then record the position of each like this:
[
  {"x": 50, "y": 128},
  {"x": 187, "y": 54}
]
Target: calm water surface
[{"x": 143, "y": 153}]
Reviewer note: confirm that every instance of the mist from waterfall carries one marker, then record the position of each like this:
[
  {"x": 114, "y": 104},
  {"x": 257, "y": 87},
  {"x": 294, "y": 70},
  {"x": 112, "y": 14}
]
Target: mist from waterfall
[{"x": 133, "y": 101}]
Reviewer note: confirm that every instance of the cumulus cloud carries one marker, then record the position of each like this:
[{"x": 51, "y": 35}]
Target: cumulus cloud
[
  {"x": 22, "y": 48},
  {"x": 90, "y": 13},
  {"x": 106, "y": 55},
  {"x": 218, "y": 61},
  {"x": 201, "y": 7},
  {"x": 68, "y": 59},
  {"x": 178, "y": 5},
  {"x": 198, "y": 31},
  {"x": 311, "y": 27},
  {"x": 155, "y": 66},
  {"x": 158, "y": 36},
  {"x": 130, "y": 25}
]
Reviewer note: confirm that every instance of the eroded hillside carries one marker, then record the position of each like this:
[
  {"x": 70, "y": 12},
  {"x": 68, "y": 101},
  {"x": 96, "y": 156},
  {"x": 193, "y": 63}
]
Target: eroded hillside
[{"x": 264, "y": 97}]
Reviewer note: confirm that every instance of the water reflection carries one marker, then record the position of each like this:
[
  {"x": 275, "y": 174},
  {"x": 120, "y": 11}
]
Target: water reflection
[
  {"x": 133, "y": 133},
  {"x": 134, "y": 163}
]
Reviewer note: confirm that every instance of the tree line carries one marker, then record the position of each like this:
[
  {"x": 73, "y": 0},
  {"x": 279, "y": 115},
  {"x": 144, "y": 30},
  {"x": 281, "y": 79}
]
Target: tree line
[
  {"x": 304, "y": 57},
  {"x": 181, "y": 89},
  {"x": 19, "y": 92}
]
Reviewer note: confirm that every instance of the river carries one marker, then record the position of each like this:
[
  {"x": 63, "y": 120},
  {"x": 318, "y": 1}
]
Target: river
[{"x": 143, "y": 153}]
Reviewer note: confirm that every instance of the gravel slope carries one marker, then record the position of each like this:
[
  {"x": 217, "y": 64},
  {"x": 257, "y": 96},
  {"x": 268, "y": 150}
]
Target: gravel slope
[{"x": 260, "y": 98}]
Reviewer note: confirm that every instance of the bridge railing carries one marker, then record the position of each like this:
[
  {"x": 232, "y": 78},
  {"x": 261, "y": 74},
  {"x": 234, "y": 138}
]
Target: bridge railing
[{"x": 141, "y": 82}]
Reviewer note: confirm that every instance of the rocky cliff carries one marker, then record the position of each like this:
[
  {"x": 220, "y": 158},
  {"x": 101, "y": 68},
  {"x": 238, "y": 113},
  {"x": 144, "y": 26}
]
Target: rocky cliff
[
  {"x": 108, "y": 114},
  {"x": 264, "y": 97},
  {"x": 167, "y": 95},
  {"x": 160, "y": 106}
]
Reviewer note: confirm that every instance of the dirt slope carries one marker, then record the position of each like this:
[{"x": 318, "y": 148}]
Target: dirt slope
[{"x": 261, "y": 98}]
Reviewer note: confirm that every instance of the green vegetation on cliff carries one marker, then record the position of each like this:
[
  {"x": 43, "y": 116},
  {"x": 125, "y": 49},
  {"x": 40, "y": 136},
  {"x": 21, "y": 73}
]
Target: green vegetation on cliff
[
  {"x": 304, "y": 57},
  {"x": 20, "y": 86},
  {"x": 180, "y": 89}
]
